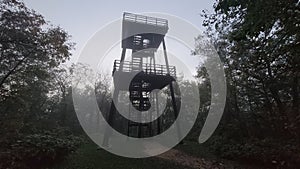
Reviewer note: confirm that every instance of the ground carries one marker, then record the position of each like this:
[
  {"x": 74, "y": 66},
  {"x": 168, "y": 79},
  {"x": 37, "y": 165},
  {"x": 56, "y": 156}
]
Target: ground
[{"x": 187, "y": 156}]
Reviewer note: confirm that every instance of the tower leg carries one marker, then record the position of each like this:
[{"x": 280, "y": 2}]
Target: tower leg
[
  {"x": 128, "y": 123},
  {"x": 156, "y": 99},
  {"x": 150, "y": 117},
  {"x": 140, "y": 125},
  {"x": 157, "y": 111},
  {"x": 112, "y": 112},
  {"x": 172, "y": 90},
  {"x": 175, "y": 108},
  {"x": 111, "y": 117}
]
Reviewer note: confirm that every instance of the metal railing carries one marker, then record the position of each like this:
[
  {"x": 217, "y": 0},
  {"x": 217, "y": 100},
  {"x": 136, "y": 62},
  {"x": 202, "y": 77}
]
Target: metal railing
[
  {"x": 145, "y": 19},
  {"x": 156, "y": 69}
]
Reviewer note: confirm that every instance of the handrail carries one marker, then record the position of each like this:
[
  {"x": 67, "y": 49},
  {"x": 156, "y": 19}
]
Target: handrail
[
  {"x": 156, "y": 69},
  {"x": 145, "y": 19}
]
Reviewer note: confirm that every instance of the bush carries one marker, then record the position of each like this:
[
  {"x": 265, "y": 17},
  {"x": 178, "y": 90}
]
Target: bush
[
  {"x": 37, "y": 150},
  {"x": 268, "y": 152}
]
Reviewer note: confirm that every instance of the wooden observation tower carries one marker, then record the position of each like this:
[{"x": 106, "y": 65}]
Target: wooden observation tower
[{"x": 146, "y": 74}]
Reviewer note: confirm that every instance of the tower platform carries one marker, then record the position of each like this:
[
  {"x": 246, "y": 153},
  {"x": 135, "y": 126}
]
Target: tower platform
[{"x": 140, "y": 32}]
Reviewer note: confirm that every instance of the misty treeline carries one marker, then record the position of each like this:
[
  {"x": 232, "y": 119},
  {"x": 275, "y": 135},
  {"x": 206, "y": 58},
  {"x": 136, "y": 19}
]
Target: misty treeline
[{"x": 257, "y": 41}]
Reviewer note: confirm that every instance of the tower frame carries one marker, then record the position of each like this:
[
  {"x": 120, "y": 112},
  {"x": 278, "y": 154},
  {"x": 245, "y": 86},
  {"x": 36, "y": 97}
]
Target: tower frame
[{"x": 147, "y": 75}]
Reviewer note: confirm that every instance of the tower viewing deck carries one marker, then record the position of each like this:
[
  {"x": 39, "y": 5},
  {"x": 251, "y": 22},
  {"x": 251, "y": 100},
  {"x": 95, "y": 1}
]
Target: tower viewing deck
[
  {"x": 141, "y": 19},
  {"x": 141, "y": 32},
  {"x": 147, "y": 68}
]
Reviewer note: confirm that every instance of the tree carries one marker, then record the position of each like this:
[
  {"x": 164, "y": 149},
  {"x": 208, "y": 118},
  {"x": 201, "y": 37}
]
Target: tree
[
  {"x": 30, "y": 48},
  {"x": 31, "y": 56},
  {"x": 258, "y": 41},
  {"x": 30, "y": 52}
]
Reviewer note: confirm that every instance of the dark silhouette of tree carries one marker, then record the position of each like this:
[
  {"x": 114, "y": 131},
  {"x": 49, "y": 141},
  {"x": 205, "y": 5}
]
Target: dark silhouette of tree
[
  {"x": 258, "y": 41},
  {"x": 32, "y": 110}
]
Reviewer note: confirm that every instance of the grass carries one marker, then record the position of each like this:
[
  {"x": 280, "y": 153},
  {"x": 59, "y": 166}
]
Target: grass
[{"x": 89, "y": 157}]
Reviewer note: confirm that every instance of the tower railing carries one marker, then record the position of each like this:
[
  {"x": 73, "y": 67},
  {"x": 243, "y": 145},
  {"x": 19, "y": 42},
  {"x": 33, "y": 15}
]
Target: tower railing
[
  {"x": 145, "y": 19},
  {"x": 156, "y": 69}
]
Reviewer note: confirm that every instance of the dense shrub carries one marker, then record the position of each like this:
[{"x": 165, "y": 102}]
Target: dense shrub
[
  {"x": 269, "y": 152},
  {"x": 36, "y": 150}
]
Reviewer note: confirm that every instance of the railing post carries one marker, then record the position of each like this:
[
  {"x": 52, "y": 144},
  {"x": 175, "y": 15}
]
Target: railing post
[
  {"x": 122, "y": 59},
  {"x": 115, "y": 67}
]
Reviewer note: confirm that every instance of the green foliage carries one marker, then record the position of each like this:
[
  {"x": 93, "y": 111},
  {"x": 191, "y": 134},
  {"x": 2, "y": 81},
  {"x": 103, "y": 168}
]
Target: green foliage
[
  {"x": 264, "y": 152},
  {"x": 35, "y": 97},
  {"x": 31, "y": 51},
  {"x": 37, "y": 150},
  {"x": 258, "y": 41},
  {"x": 30, "y": 48}
]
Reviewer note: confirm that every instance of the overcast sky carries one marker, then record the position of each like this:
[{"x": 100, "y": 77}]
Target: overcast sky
[{"x": 82, "y": 19}]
